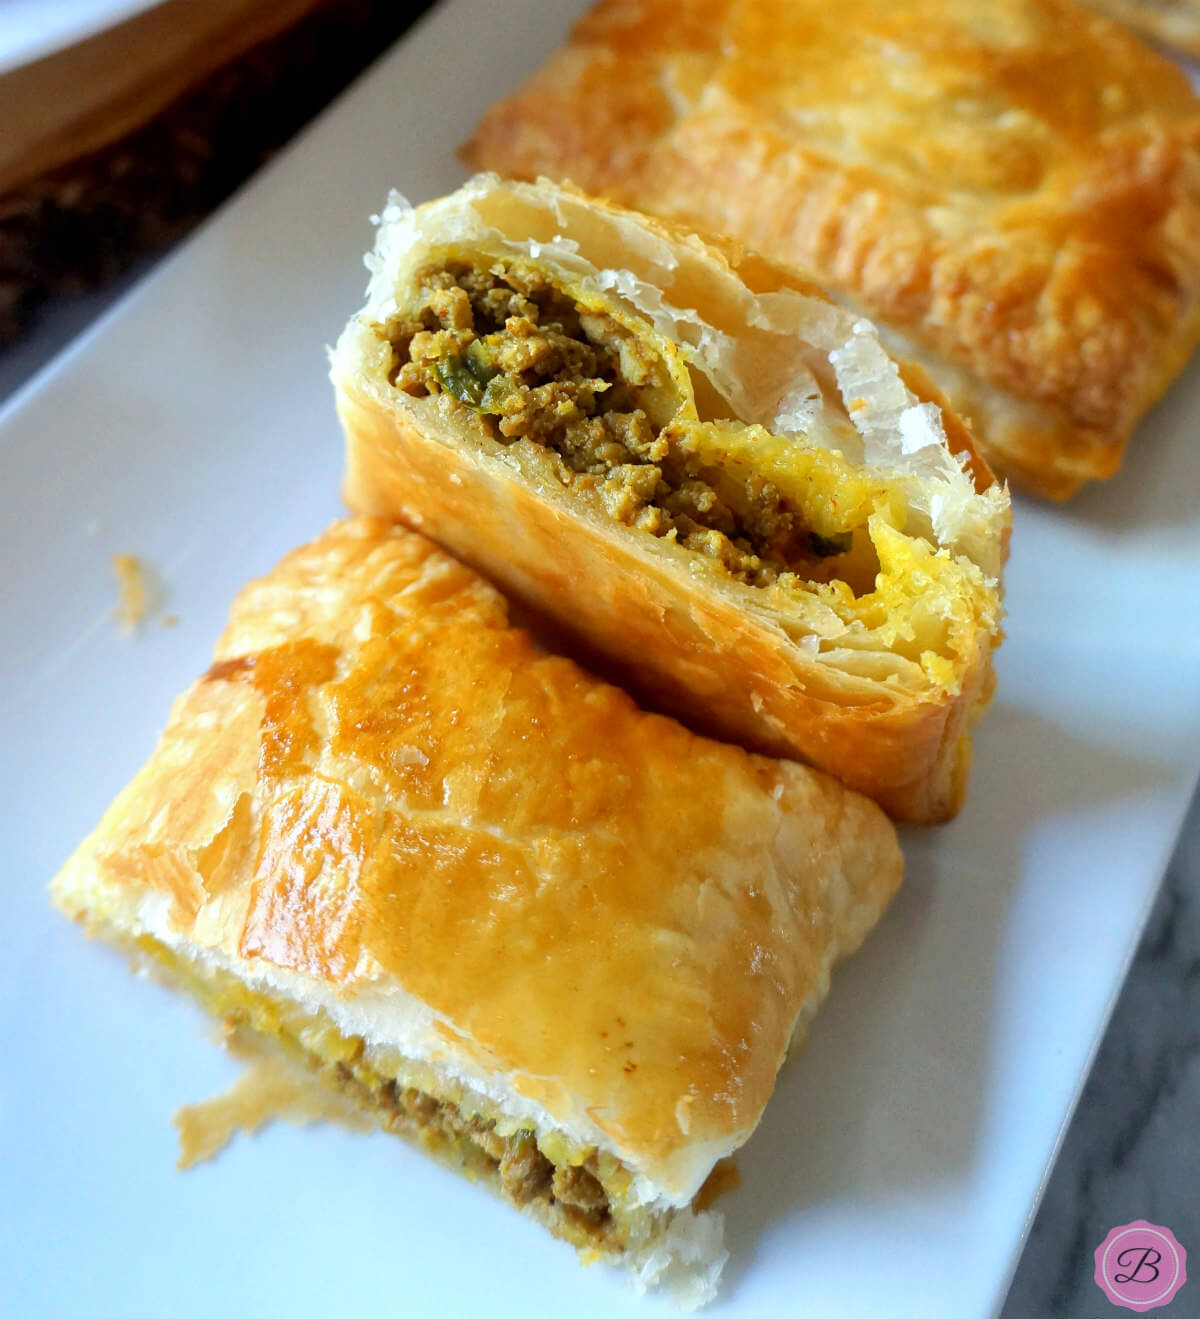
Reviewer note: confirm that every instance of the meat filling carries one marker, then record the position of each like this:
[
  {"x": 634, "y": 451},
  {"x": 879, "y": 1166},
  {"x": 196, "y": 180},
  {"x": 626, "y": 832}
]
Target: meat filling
[
  {"x": 570, "y": 1197},
  {"x": 537, "y": 366},
  {"x": 525, "y": 1173}
]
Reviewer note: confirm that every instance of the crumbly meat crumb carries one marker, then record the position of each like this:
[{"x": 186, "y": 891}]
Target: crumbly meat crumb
[
  {"x": 525, "y": 1173},
  {"x": 537, "y": 366}
]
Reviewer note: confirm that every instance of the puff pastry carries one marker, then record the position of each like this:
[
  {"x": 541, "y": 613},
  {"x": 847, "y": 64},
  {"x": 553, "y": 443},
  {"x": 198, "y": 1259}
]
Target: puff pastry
[
  {"x": 697, "y": 465},
  {"x": 1011, "y": 188},
  {"x": 1173, "y": 22},
  {"x": 563, "y": 943}
]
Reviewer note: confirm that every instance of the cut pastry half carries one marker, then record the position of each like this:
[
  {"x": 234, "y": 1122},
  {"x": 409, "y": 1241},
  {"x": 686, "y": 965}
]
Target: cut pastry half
[
  {"x": 561, "y": 943},
  {"x": 698, "y": 466}
]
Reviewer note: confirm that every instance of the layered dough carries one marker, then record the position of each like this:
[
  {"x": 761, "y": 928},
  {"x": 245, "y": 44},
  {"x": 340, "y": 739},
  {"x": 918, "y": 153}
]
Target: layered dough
[
  {"x": 696, "y": 465},
  {"x": 1012, "y": 189},
  {"x": 563, "y": 943}
]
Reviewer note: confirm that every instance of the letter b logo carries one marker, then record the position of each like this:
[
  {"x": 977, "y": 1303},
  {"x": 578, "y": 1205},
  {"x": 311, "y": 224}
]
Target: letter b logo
[
  {"x": 1146, "y": 1257},
  {"x": 1139, "y": 1265}
]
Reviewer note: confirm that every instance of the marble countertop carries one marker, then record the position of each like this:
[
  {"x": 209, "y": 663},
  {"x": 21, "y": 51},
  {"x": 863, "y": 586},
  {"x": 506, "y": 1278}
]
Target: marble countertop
[{"x": 1131, "y": 1150}]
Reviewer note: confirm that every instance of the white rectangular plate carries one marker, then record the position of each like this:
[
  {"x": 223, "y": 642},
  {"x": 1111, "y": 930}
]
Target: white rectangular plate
[{"x": 901, "y": 1157}]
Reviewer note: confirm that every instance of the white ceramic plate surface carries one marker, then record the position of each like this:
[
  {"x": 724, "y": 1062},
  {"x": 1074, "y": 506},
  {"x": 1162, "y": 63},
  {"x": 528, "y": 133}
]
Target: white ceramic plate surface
[{"x": 901, "y": 1158}]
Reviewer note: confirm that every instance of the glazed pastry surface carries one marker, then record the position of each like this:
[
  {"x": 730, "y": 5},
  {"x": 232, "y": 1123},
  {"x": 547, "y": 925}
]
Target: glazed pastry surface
[{"x": 383, "y": 803}]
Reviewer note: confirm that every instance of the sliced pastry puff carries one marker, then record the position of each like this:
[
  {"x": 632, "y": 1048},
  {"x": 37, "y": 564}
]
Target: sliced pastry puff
[
  {"x": 563, "y": 943},
  {"x": 701, "y": 468},
  {"x": 1011, "y": 188}
]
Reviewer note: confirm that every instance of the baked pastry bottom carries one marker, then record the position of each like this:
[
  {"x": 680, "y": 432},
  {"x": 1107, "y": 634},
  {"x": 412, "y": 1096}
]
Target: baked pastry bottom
[{"x": 577, "y": 1192}]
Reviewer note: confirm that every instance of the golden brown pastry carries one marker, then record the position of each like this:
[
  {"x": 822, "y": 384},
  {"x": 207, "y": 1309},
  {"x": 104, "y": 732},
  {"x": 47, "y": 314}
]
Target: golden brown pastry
[
  {"x": 699, "y": 466},
  {"x": 1012, "y": 189},
  {"x": 562, "y": 943},
  {"x": 1173, "y": 22}
]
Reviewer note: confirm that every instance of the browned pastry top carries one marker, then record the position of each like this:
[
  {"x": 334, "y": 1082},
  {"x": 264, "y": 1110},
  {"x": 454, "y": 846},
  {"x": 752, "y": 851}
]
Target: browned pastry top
[{"x": 384, "y": 787}]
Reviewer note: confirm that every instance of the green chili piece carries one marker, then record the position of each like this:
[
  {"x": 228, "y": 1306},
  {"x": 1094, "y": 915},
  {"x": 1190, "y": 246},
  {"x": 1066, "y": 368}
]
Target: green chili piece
[
  {"x": 456, "y": 378},
  {"x": 479, "y": 362},
  {"x": 467, "y": 377}
]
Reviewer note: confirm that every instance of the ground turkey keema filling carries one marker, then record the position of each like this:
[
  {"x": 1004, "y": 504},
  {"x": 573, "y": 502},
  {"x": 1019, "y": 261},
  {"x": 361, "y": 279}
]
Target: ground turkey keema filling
[
  {"x": 524, "y": 1171},
  {"x": 581, "y": 1205},
  {"x": 570, "y": 1194},
  {"x": 539, "y": 367}
]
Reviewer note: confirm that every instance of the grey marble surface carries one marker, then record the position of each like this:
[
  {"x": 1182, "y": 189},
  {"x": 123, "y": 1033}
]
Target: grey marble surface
[{"x": 1133, "y": 1147}]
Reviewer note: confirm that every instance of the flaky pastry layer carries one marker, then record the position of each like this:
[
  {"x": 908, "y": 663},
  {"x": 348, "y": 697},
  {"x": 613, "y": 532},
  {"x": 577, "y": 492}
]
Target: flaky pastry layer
[
  {"x": 1012, "y": 188},
  {"x": 585, "y": 1197},
  {"x": 384, "y": 813}
]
